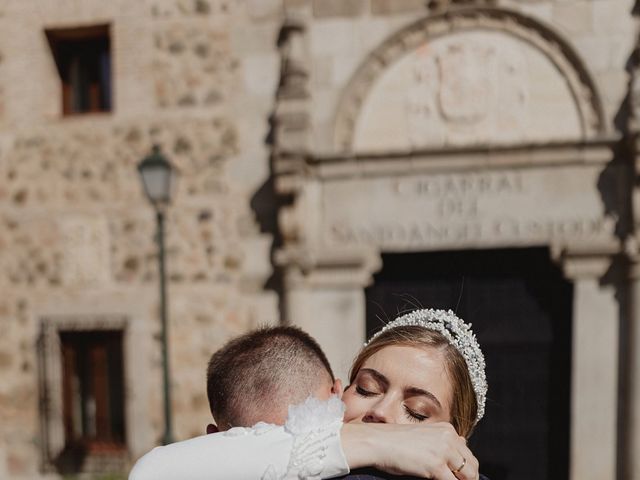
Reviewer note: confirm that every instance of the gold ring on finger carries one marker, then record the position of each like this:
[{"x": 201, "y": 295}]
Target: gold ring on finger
[{"x": 464, "y": 462}]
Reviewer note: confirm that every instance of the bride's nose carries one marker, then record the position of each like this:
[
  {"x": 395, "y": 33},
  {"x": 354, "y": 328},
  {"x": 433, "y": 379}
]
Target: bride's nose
[{"x": 378, "y": 413}]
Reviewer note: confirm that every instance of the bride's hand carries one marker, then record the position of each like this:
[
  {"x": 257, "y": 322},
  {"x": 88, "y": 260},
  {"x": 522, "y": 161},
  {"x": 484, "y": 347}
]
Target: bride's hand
[{"x": 428, "y": 451}]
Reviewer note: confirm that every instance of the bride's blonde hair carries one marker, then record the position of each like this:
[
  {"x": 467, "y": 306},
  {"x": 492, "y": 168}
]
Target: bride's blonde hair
[{"x": 463, "y": 406}]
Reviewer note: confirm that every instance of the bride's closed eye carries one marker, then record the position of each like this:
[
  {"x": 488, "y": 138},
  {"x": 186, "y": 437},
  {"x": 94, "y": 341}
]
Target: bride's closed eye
[
  {"x": 414, "y": 416},
  {"x": 363, "y": 392}
]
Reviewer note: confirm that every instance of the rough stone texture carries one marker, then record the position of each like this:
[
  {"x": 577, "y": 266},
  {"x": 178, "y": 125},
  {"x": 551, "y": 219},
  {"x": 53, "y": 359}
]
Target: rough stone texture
[
  {"x": 76, "y": 232},
  {"x": 339, "y": 8},
  {"x": 18, "y": 398},
  {"x": 1, "y": 89},
  {"x": 193, "y": 66},
  {"x": 384, "y": 7},
  {"x": 191, "y": 8},
  {"x": 264, "y": 10},
  {"x": 574, "y": 17}
]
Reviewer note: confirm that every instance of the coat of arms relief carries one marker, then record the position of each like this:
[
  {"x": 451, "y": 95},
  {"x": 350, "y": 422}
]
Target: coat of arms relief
[{"x": 465, "y": 92}]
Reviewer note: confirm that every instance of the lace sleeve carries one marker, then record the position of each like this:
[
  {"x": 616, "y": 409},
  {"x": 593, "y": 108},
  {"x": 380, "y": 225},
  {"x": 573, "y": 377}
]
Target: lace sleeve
[
  {"x": 317, "y": 451},
  {"x": 307, "y": 447}
]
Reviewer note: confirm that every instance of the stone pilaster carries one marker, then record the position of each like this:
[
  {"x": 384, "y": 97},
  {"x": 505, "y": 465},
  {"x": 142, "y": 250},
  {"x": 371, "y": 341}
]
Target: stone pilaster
[
  {"x": 324, "y": 295},
  {"x": 631, "y": 424},
  {"x": 594, "y": 389}
]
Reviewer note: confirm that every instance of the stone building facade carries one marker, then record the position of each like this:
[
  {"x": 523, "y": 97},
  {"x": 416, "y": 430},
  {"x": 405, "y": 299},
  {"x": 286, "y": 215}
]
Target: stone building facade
[{"x": 315, "y": 140}]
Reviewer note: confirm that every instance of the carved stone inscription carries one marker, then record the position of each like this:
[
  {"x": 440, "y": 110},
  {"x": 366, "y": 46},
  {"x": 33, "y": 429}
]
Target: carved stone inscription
[{"x": 476, "y": 209}]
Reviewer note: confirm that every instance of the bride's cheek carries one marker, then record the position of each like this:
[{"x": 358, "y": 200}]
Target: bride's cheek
[{"x": 352, "y": 412}]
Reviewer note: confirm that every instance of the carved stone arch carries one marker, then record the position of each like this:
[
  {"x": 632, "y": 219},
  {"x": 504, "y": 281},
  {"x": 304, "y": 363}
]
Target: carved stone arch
[{"x": 542, "y": 38}]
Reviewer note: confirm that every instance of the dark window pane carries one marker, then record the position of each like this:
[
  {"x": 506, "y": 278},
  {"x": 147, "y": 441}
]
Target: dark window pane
[
  {"x": 83, "y": 58},
  {"x": 93, "y": 389}
]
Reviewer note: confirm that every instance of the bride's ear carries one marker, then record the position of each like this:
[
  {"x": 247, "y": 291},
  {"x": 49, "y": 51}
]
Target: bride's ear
[
  {"x": 337, "y": 389},
  {"x": 212, "y": 428}
]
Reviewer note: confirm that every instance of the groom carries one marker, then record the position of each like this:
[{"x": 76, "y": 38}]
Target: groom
[{"x": 256, "y": 376}]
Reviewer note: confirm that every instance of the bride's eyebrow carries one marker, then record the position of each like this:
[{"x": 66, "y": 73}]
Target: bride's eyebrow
[
  {"x": 380, "y": 378},
  {"x": 419, "y": 391}
]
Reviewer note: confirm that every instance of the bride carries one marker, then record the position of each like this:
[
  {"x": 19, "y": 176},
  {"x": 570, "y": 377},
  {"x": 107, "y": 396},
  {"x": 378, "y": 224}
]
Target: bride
[{"x": 417, "y": 389}]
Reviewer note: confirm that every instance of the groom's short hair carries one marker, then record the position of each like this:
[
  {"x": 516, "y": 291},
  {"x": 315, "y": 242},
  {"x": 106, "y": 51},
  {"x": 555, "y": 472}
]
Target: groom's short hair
[{"x": 266, "y": 368}]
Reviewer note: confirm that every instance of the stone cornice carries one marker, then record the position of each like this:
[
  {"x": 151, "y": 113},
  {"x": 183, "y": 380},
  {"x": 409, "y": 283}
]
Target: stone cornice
[
  {"x": 290, "y": 169},
  {"x": 328, "y": 267},
  {"x": 586, "y": 260}
]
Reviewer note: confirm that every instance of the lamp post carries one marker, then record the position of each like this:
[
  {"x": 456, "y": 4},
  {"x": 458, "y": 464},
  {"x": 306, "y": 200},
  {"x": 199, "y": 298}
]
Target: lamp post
[{"x": 157, "y": 177}]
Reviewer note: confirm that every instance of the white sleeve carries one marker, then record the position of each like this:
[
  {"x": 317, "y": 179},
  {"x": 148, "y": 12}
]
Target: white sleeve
[{"x": 307, "y": 447}]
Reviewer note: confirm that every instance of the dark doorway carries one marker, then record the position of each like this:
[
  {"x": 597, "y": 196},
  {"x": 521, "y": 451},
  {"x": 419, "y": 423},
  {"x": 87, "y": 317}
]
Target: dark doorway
[{"x": 520, "y": 307}]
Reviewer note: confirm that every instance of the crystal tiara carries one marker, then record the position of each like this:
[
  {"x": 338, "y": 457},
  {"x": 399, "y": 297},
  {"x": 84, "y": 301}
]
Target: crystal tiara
[{"x": 459, "y": 334}]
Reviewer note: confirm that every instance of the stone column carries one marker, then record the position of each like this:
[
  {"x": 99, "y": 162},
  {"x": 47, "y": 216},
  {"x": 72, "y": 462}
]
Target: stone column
[
  {"x": 594, "y": 389},
  {"x": 324, "y": 295},
  {"x": 632, "y": 377}
]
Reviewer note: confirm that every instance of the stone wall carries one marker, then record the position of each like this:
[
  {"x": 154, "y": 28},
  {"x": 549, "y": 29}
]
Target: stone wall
[{"x": 77, "y": 234}]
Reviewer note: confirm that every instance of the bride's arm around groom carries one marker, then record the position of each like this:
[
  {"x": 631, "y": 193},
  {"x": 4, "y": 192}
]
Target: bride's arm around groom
[{"x": 313, "y": 444}]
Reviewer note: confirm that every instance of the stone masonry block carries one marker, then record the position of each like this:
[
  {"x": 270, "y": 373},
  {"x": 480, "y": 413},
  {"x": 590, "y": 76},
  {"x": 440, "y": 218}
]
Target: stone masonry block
[
  {"x": 384, "y": 7},
  {"x": 264, "y": 10},
  {"x": 332, "y": 38},
  {"x": 573, "y": 17},
  {"x": 295, "y": 3},
  {"x": 612, "y": 17},
  {"x": 539, "y": 10},
  {"x": 595, "y": 50},
  {"x": 322, "y": 68},
  {"x": 260, "y": 74},
  {"x": 339, "y": 8}
]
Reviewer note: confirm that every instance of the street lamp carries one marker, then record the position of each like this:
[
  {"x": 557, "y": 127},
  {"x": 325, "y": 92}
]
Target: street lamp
[{"x": 157, "y": 176}]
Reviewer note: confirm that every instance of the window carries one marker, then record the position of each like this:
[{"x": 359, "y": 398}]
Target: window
[
  {"x": 81, "y": 365},
  {"x": 93, "y": 390},
  {"x": 83, "y": 59}
]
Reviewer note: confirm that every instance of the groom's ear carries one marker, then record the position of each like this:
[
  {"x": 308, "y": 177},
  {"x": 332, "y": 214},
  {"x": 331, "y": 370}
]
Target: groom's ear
[
  {"x": 337, "y": 389},
  {"x": 212, "y": 428}
]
